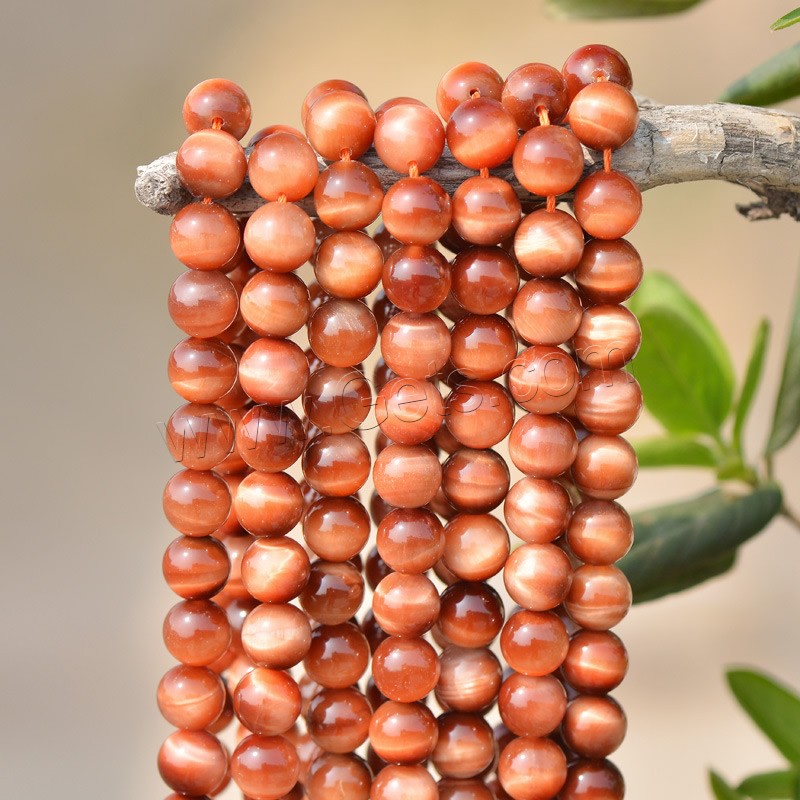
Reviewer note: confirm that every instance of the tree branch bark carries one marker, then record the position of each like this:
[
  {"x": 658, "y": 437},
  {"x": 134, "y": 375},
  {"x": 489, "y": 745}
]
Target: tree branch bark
[{"x": 754, "y": 147}]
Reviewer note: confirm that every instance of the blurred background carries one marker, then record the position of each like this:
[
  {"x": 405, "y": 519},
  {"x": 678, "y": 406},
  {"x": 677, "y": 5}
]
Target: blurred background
[{"x": 94, "y": 89}]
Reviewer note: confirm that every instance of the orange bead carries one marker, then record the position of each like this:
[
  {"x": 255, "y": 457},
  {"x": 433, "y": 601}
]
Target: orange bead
[
  {"x": 607, "y": 338},
  {"x": 199, "y": 436},
  {"x": 475, "y": 546},
  {"x": 336, "y": 528},
  {"x": 193, "y": 762},
  {"x": 338, "y": 655},
  {"x": 275, "y": 304},
  {"x": 265, "y": 767},
  {"x": 211, "y": 163},
  {"x": 202, "y": 370},
  {"x": 483, "y": 346},
  {"x": 348, "y": 196},
  {"x": 479, "y": 414},
  {"x": 410, "y": 540},
  {"x": 609, "y": 402},
  {"x": 325, "y": 87},
  {"x": 403, "y": 733},
  {"x": 548, "y": 160},
  {"x": 416, "y": 278},
  {"x": 196, "y": 502},
  {"x": 409, "y": 411},
  {"x": 405, "y": 604},
  {"x": 609, "y": 271},
  {"x": 392, "y": 102},
  {"x": 486, "y": 210},
  {"x": 543, "y": 446},
  {"x": 470, "y": 679},
  {"x": 464, "y": 789},
  {"x": 337, "y": 464},
  {"x": 531, "y": 87},
  {"x": 532, "y": 769},
  {"x": 204, "y": 236},
  {"x": 416, "y": 210},
  {"x": 481, "y": 133},
  {"x": 279, "y": 237},
  {"x": 282, "y": 164},
  {"x": 270, "y": 439},
  {"x": 399, "y": 782},
  {"x": 600, "y": 532},
  {"x": 275, "y": 570},
  {"x": 603, "y": 115},
  {"x": 598, "y": 780},
  {"x": 202, "y": 304},
  {"x": 340, "y": 121},
  {"x": 532, "y": 705},
  {"x": 471, "y": 614},
  {"x": 596, "y": 662},
  {"x": 547, "y": 311},
  {"x": 217, "y": 98},
  {"x": 407, "y": 476},
  {"x": 599, "y": 597},
  {"x": 461, "y": 82},
  {"x": 465, "y": 747},
  {"x": 607, "y": 205},
  {"x": 348, "y": 264},
  {"x": 262, "y": 133},
  {"x": 191, "y": 698},
  {"x": 333, "y": 593},
  {"x": 595, "y": 62},
  {"x": 409, "y": 133},
  {"x": 537, "y": 576},
  {"x": 276, "y": 635},
  {"x": 338, "y": 775},
  {"x": 267, "y": 701},
  {"x": 594, "y": 727},
  {"x": 543, "y": 379},
  {"x": 273, "y": 371},
  {"x": 195, "y": 568},
  {"x": 548, "y": 244},
  {"x": 196, "y": 632},
  {"x": 537, "y": 510},
  {"x": 337, "y": 399},
  {"x": 339, "y": 719},
  {"x": 405, "y": 670},
  {"x": 484, "y": 279},
  {"x": 415, "y": 345},
  {"x": 534, "y": 642},
  {"x": 475, "y": 481},
  {"x": 605, "y": 467},
  {"x": 342, "y": 333}
]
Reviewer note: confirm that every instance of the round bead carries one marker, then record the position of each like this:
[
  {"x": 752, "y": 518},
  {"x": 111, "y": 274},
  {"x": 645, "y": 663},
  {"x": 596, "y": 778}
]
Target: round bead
[
  {"x": 475, "y": 482},
  {"x": 204, "y": 236},
  {"x": 464, "y": 789},
  {"x": 593, "y": 780},
  {"x": 599, "y": 597},
  {"x": 405, "y": 605},
  {"x": 193, "y": 762},
  {"x": 476, "y": 546},
  {"x": 265, "y": 767},
  {"x": 403, "y": 733},
  {"x": 546, "y": 311},
  {"x": 486, "y": 210},
  {"x": 481, "y": 133},
  {"x": 191, "y": 698},
  {"x": 483, "y": 346},
  {"x": 267, "y": 701},
  {"x": 337, "y": 399},
  {"x": 471, "y": 614},
  {"x": 596, "y": 662},
  {"x": 276, "y": 635},
  {"x": 275, "y": 570},
  {"x": 340, "y": 121},
  {"x": 275, "y": 304},
  {"x": 600, "y": 532},
  {"x": 609, "y": 271},
  {"x": 470, "y": 679},
  {"x": 548, "y": 244},
  {"x": 537, "y": 576},
  {"x": 409, "y": 133},
  {"x": 532, "y": 705},
  {"x": 337, "y": 464},
  {"x": 536, "y": 510},
  {"x": 409, "y": 411},
  {"x": 532, "y": 769},
  {"x": 479, "y": 414},
  {"x": 607, "y": 338},
  {"x": 605, "y": 467},
  {"x": 415, "y": 345},
  {"x": 405, "y": 670},
  {"x": 410, "y": 540},
  {"x": 199, "y": 436},
  {"x": 416, "y": 278},
  {"x": 460, "y": 83},
  {"x": 595, "y": 62},
  {"x": 548, "y": 160},
  {"x": 262, "y": 133},
  {"x": 534, "y": 642},
  {"x": 339, "y": 719},
  {"x": 273, "y": 371},
  {"x": 217, "y": 99},
  {"x": 333, "y": 85},
  {"x": 196, "y": 632},
  {"x": 531, "y": 87},
  {"x": 609, "y": 402},
  {"x": 338, "y": 655},
  {"x": 282, "y": 164},
  {"x": 333, "y": 593},
  {"x": 607, "y": 204},
  {"x": 202, "y": 304},
  {"x": 195, "y": 568},
  {"x": 407, "y": 476},
  {"x": 416, "y": 211},
  {"x": 211, "y": 163},
  {"x": 270, "y": 439},
  {"x": 348, "y": 196},
  {"x": 201, "y": 370},
  {"x": 338, "y": 775},
  {"x": 279, "y": 237},
  {"x": 336, "y": 528},
  {"x": 196, "y": 502},
  {"x": 544, "y": 379},
  {"x": 392, "y": 102},
  {"x": 543, "y": 446},
  {"x": 484, "y": 279},
  {"x": 594, "y": 727},
  {"x": 465, "y": 746},
  {"x": 401, "y": 782},
  {"x": 348, "y": 264},
  {"x": 603, "y": 115},
  {"x": 342, "y": 333}
]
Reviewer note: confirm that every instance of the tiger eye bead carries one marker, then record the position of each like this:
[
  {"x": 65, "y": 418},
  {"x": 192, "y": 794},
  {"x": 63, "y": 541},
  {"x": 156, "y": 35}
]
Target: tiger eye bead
[
  {"x": 403, "y": 733},
  {"x": 486, "y": 210},
  {"x": 464, "y": 789},
  {"x": 407, "y": 476},
  {"x": 416, "y": 278},
  {"x": 392, "y": 102},
  {"x": 548, "y": 160},
  {"x": 405, "y": 670},
  {"x": 204, "y": 236},
  {"x": 471, "y": 614},
  {"x": 339, "y": 719},
  {"x": 267, "y": 701},
  {"x": 476, "y": 546},
  {"x": 534, "y": 642},
  {"x": 416, "y": 210},
  {"x": 405, "y": 604},
  {"x": 479, "y": 414},
  {"x": 465, "y": 746},
  {"x": 279, "y": 237},
  {"x": 484, "y": 279},
  {"x": 595, "y": 62},
  {"x": 537, "y": 576},
  {"x": 273, "y": 371},
  {"x": 536, "y": 510},
  {"x": 338, "y": 655},
  {"x": 475, "y": 481},
  {"x": 593, "y": 780},
  {"x": 599, "y": 597},
  {"x": 607, "y": 338},
  {"x": 336, "y": 465},
  {"x": 594, "y": 727},
  {"x": 461, "y": 82},
  {"x": 544, "y": 379},
  {"x": 199, "y": 436},
  {"x": 333, "y": 593},
  {"x": 603, "y": 115},
  {"x": 196, "y": 632},
  {"x": 348, "y": 264},
  {"x": 410, "y": 540},
  {"x": 481, "y": 133},
  {"x": 470, "y": 679},
  {"x": 607, "y": 204},
  {"x": 531, "y": 768},
  {"x": 409, "y": 411},
  {"x": 265, "y": 767},
  {"x": 543, "y": 445},
  {"x": 275, "y": 570},
  {"x": 270, "y": 439},
  {"x": 609, "y": 271},
  {"x": 532, "y": 705},
  {"x": 336, "y": 528},
  {"x": 192, "y": 762},
  {"x": 546, "y": 311},
  {"x": 338, "y": 121},
  {"x": 600, "y": 532},
  {"x": 325, "y": 87},
  {"x": 596, "y": 662},
  {"x": 483, "y": 346},
  {"x": 337, "y": 399},
  {"x": 338, "y": 775},
  {"x": 342, "y": 333},
  {"x": 400, "y": 782},
  {"x": 202, "y": 304},
  {"x": 212, "y": 99},
  {"x": 548, "y": 244},
  {"x": 409, "y": 133},
  {"x": 211, "y": 163},
  {"x": 348, "y": 196},
  {"x": 282, "y": 164},
  {"x": 531, "y": 87},
  {"x": 415, "y": 345},
  {"x": 275, "y": 304},
  {"x": 196, "y": 502},
  {"x": 191, "y": 698},
  {"x": 195, "y": 568},
  {"x": 609, "y": 402},
  {"x": 276, "y": 635},
  {"x": 605, "y": 467}
]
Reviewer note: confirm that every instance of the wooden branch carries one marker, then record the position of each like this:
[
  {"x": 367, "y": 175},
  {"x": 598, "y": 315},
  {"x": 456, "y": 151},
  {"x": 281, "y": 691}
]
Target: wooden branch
[{"x": 753, "y": 147}]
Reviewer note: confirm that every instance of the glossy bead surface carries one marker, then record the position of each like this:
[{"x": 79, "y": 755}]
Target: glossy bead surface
[
  {"x": 190, "y": 697},
  {"x": 339, "y": 121},
  {"x": 348, "y": 264},
  {"x": 270, "y": 439},
  {"x": 605, "y": 467},
  {"x": 324, "y": 87},
  {"x": 409, "y": 133},
  {"x": 548, "y": 244},
  {"x": 603, "y": 115},
  {"x": 201, "y": 370},
  {"x": 465, "y": 746},
  {"x": 481, "y": 133},
  {"x": 544, "y": 379},
  {"x": 336, "y": 528},
  {"x": 531, "y": 87},
  {"x": 464, "y": 789},
  {"x": 405, "y": 605},
  {"x": 543, "y": 445},
  {"x": 196, "y": 632},
  {"x": 407, "y": 476},
  {"x": 548, "y": 160},
  {"x": 338, "y": 775},
  {"x": 217, "y": 98},
  {"x": 595, "y": 62},
  {"x": 409, "y": 411},
  {"x": 469, "y": 680},
  {"x": 609, "y": 402},
  {"x": 607, "y": 338},
  {"x": 538, "y": 576},
  {"x": 404, "y": 782},
  {"x": 607, "y": 204},
  {"x": 275, "y": 304},
  {"x": 531, "y": 768},
  {"x": 471, "y": 614},
  {"x": 461, "y": 82},
  {"x": 196, "y": 502},
  {"x": 410, "y": 540},
  {"x": 273, "y": 371},
  {"x": 337, "y": 399},
  {"x": 275, "y": 570},
  {"x": 276, "y": 635},
  {"x": 534, "y": 642},
  {"x": 192, "y": 762},
  {"x": 282, "y": 164},
  {"x": 475, "y": 481},
  {"x": 532, "y": 705},
  {"x": 195, "y": 568},
  {"x": 267, "y": 701},
  {"x": 609, "y": 271},
  {"x": 593, "y": 780},
  {"x": 416, "y": 210},
  {"x": 479, "y": 414},
  {"x": 405, "y": 669},
  {"x": 204, "y": 236},
  {"x": 483, "y": 346},
  {"x": 337, "y": 464},
  {"x": 537, "y": 510},
  {"x": 484, "y": 279},
  {"x": 403, "y": 733},
  {"x": 342, "y": 333},
  {"x": 596, "y": 662},
  {"x": 338, "y": 655},
  {"x": 415, "y": 345},
  {"x": 599, "y": 597},
  {"x": 211, "y": 163},
  {"x": 416, "y": 278},
  {"x": 594, "y": 727},
  {"x": 265, "y": 767},
  {"x": 348, "y": 196},
  {"x": 279, "y": 237},
  {"x": 486, "y": 210},
  {"x": 600, "y": 532},
  {"x": 339, "y": 719},
  {"x": 476, "y": 546},
  {"x": 546, "y": 311},
  {"x": 202, "y": 304}
]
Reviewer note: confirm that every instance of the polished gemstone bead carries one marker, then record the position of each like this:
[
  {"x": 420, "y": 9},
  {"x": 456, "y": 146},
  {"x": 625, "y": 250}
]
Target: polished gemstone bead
[
  {"x": 325, "y": 87},
  {"x": 265, "y": 767},
  {"x": 283, "y": 165},
  {"x": 595, "y": 62},
  {"x": 279, "y": 237},
  {"x": 410, "y": 540},
  {"x": 481, "y": 133},
  {"x": 196, "y": 632},
  {"x": 486, "y": 210},
  {"x": 267, "y": 701},
  {"x": 604, "y": 115},
  {"x": 405, "y": 604},
  {"x": 593, "y": 780},
  {"x": 607, "y": 204},
  {"x": 275, "y": 570},
  {"x": 537, "y": 576},
  {"x": 201, "y": 370},
  {"x": 605, "y": 467},
  {"x": 416, "y": 278},
  {"x": 348, "y": 264},
  {"x": 405, "y": 670},
  {"x": 534, "y": 642},
  {"x": 336, "y": 528},
  {"x": 407, "y": 476},
  {"x": 196, "y": 502},
  {"x": 342, "y": 333},
  {"x": 339, "y": 719},
  {"x": 275, "y": 304},
  {"x": 543, "y": 446},
  {"x": 199, "y": 436},
  {"x": 537, "y": 510},
  {"x": 470, "y": 679},
  {"x": 403, "y": 733},
  {"x": 594, "y": 727},
  {"x": 416, "y": 210},
  {"x": 484, "y": 279},
  {"x": 348, "y": 196},
  {"x": 548, "y": 160},
  {"x": 276, "y": 635},
  {"x": 204, "y": 236},
  {"x": 464, "y": 789},
  {"x": 483, "y": 346},
  {"x": 195, "y": 568},
  {"x": 532, "y": 705},
  {"x": 608, "y": 402},
  {"x": 476, "y": 546},
  {"x": 599, "y": 597},
  {"x": 395, "y": 101},
  {"x": 333, "y": 593},
  {"x": 270, "y": 438},
  {"x": 337, "y": 399},
  {"x": 273, "y": 371},
  {"x": 400, "y": 782},
  {"x": 211, "y": 163},
  {"x": 531, "y": 768},
  {"x": 596, "y": 662},
  {"x": 409, "y": 411},
  {"x": 217, "y": 99},
  {"x": 609, "y": 271},
  {"x": 193, "y": 762},
  {"x": 202, "y": 304},
  {"x": 415, "y": 345},
  {"x": 339, "y": 121},
  {"x": 336, "y": 464},
  {"x": 471, "y": 614},
  {"x": 600, "y": 532},
  {"x": 333, "y": 776},
  {"x": 409, "y": 133},
  {"x": 461, "y": 82},
  {"x": 479, "y": 414},
  {"x": 607, "y": 338},
  {"x": 338, "y": 655},
  {"x": 546, "y": 311},
  {"x": 191, "y": 698},
  {"x": 532, "y": 87},
  {"x": 465, "y": 746},
  {"x": 475, "y": 482},
  {"x": 544, "y": 379},
  {"x": 548, "y": 244}
]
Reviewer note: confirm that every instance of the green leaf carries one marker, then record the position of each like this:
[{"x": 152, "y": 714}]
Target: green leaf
[
  {"x": 680, "y": 545},
  {"x": 673, "y": 451},
  {"x": 787, "y": 20},
  {"x": 775, "y": 80},
  {"x": 721, "y": 789},
  {"x": 780, "y": 785},
  {"x": 752, "y": 376},
  {"x": 773, "y": 707},
  {"x": 786, "y": 417},
  {"x": 606, "y": 9}
]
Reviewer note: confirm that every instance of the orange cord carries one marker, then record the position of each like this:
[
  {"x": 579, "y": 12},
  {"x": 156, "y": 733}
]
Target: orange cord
[
  {"x": 281, "y": 198},
  {"x": 607, "y": 159},
  {"x": 346, "y": 154},
  {"x": 551, "y": 203},
  {"x": 413, "y": 169},
  {"x": 543, "y": 114},
  {"x": 474, "y": 94},
  {"x": 484, "y": 173},
  {"x": 216, "y": 124}
]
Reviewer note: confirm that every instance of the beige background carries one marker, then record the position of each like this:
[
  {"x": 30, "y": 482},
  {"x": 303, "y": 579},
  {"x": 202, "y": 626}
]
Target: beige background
[{"x": 91, "y": 90}]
